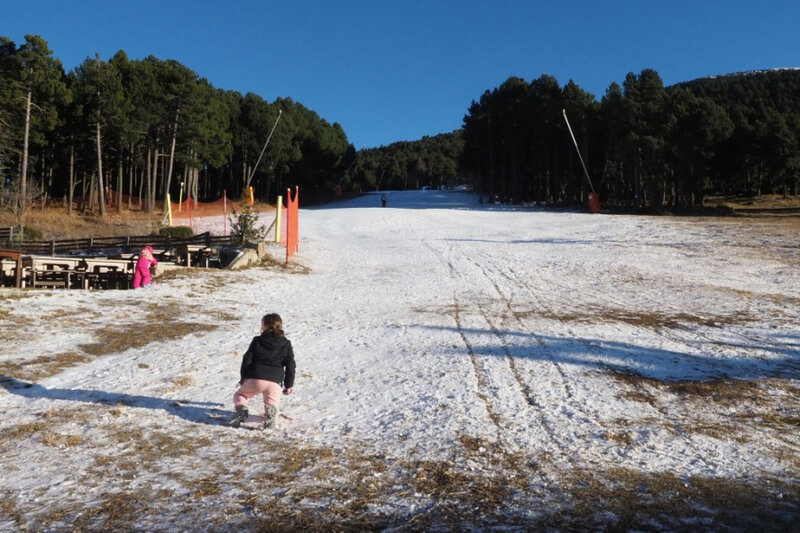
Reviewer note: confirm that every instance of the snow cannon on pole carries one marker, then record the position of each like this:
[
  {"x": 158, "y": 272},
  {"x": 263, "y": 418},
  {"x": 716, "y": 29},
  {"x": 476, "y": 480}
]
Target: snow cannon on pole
[{"x": 594, "y": 200}]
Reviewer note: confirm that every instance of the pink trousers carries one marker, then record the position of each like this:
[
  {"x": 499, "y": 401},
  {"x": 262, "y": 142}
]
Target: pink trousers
[
  {"x": 270, "y": 391},
  {"x": 141, "y": 277}
]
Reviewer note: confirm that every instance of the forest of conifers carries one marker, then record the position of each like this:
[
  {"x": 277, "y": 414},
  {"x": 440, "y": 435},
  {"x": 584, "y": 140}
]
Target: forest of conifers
[{"x": 150, "y": 127}]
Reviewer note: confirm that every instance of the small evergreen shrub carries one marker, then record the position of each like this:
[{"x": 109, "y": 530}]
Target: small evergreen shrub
[
  {"x": 244, "y": 227},
  {"x": 179, "y": 232},
  {"x": 31, "y": 234}
]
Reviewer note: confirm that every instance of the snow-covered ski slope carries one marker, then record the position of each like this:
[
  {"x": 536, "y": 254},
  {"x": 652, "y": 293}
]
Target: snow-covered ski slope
[{"x": 459, "y": 365}]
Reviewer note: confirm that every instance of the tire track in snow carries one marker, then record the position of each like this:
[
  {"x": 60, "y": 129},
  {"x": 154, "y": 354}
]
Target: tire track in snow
[
  {"x": 563, "y": 407},
  {"x": 509, "y": 307},
  {"x": 589, "y": 346},
  {"x": 569, "y": 390},
  {"x": 480, "y": 378},
  {"x": 528, "y": 398}
]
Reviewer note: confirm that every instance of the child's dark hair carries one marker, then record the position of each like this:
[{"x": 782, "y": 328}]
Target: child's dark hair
[{"x": 272, "y": 324}]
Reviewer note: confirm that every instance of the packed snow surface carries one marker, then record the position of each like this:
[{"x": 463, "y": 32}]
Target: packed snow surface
[{"x": 572, "y": 342}]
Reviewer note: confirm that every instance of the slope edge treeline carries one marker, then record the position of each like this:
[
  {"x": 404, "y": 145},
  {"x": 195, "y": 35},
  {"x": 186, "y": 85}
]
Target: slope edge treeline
[
  {"x": 644, "y": 144},
  {"x": 141, "y": 127}
]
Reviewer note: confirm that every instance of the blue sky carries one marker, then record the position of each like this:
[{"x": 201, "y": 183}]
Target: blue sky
[{"x": 393, "y": 70}]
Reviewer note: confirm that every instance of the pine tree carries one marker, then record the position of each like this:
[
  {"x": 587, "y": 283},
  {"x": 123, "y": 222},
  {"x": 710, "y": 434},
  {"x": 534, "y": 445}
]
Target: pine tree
[{"x": 244, "y": 226}]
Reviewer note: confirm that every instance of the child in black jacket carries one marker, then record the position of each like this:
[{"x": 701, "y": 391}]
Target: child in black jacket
[{"x": 267, "y": 367}]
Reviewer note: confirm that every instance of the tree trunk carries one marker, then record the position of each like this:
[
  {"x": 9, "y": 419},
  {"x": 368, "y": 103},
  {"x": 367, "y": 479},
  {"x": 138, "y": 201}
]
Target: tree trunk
[
  {"x": 71, "y": 174},
  {"x": 131, "y": 175},
  {"x": 148, "y": 171},
  {"x": 142, "y": 178},
  {"x": 154, "y": 177},
  {"x": 171, "y": 157},
  {"x": 196, "y": 181},
  {"x": 89, "y": 206},
  {"x": 119, "y": 179},
  {"x": 101, "y": 197},
  {"x": 23, "y": 192},
  {"x": 83, "y": 191}
]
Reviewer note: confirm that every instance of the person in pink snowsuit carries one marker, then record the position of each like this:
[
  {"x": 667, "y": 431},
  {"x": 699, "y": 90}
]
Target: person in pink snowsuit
[{"x": 141, "y": 277}]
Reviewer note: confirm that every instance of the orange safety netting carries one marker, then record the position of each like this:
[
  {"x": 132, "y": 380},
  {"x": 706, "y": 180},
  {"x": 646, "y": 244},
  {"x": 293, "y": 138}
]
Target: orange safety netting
[
  {"x": 203, "y": 209},
  {"x": 178, "y": 208}
]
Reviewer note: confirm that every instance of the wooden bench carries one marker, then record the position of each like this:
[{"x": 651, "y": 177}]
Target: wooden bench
[
  {"x": 57, "y": 278},
  {"x": 201, "y": 252}
]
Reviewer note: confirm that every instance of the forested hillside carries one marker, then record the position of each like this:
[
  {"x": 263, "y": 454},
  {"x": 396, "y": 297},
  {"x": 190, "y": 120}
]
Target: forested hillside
[
  {"x": 430, "y": 162},
  {"x": 144, "y": 126},
  {"x": 644, "y": 144},
  {"x": 150, "y": 127}
]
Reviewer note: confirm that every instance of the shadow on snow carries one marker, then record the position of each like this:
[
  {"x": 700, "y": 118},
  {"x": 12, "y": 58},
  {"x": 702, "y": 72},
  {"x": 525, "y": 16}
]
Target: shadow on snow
[
  {"x": 783, "y": 360},
  {"x": 197, "y": 412}
]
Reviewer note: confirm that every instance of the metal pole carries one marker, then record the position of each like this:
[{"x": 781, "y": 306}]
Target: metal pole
[
  {"x": 252, "y": 173},
  {"x": 564, "y": 111}
]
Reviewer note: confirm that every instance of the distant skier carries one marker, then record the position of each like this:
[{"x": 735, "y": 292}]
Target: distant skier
[
  {"x": 267, "y": 367},
  {"x": 141, "y": 277},
  {"x": 383, "y": 200}
]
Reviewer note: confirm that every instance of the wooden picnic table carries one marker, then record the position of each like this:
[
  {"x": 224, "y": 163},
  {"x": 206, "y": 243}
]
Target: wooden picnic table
[
  {"x": 52, "y": 271},
  {"x": 100, "y": 265},
  {"x": 74, "y": 272},
  {"x": 201, "y": 251},
  {"x": 104, "y": 272},
  {"x": 12, "y": 267}
]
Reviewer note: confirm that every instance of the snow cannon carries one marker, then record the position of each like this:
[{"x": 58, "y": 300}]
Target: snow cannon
[{"x": 593, "y": 203}]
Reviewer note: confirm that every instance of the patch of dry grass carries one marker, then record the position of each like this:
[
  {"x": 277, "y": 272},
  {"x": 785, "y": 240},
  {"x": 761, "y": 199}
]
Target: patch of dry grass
[
  {"x": 42, "y": 367},
  {"x": 721, "y": 392},
  {"x": 500, "y": 492},
  {"x": 146, "y": 447},
  {"x": 47, "y": 429},
  {"x": 180, "y": 382},
  {"x": 631, "y": 499},
  {"x": 9, "y": 509},
  {"x": 724, "y": 409},
  {"x": 13, "y": 326},
  {"x": 206, "y": 487},
  {"x": 270, "y": 262},
  {"x": 116, "y": 511},
  {"x": 349, "y": 489},
  {"x": 645, "y": 319},
  {"x": 58, "y": 440},
  {"x": 783, "y": 420},
  {"x": 55, "y": 223},
  {"x": 14, "y": 294},
  {"x": 764, "y": 201},
  {"x": 23, "y": 430},
  {"x": 161, "y": 323},
  {"x": 185, "y": 273}
]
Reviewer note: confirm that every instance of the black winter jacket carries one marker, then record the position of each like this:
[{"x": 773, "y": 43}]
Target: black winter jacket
[{"x": 271, "y": 358}]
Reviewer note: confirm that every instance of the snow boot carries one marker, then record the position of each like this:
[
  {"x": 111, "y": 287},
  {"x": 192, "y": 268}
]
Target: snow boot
[
  {"x": 239, "y": 417},
  {"x": 269, "y": 417}
]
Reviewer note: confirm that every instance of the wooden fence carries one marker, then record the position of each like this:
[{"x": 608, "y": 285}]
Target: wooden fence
[
  {"x": 113, "y": 245},
  {"x": 7, "y": 234}
]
